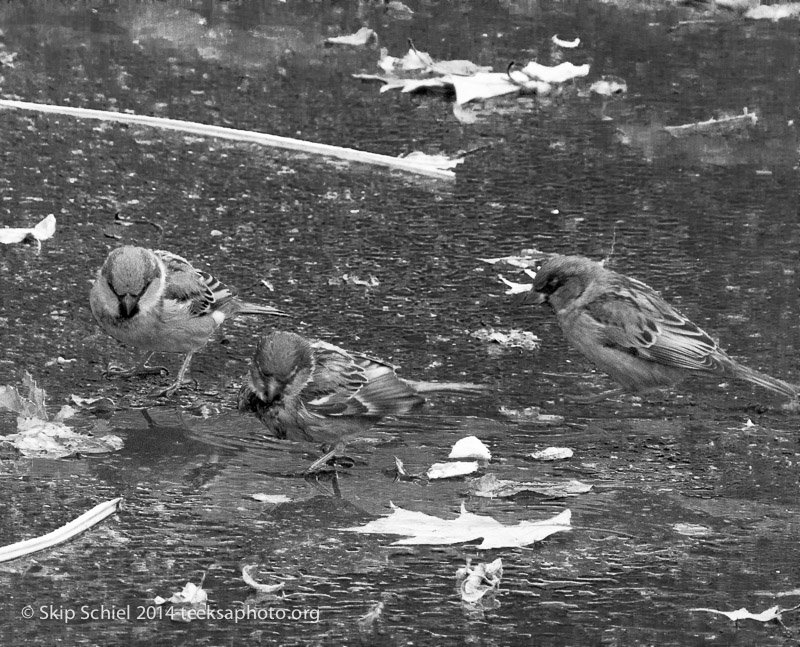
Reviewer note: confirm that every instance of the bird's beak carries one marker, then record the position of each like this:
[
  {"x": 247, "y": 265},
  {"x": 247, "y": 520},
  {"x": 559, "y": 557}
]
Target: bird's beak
[
  {"x": 273, "y": 389},
  {"x": 128, "y": 305},
  {"x": 531, "y": 297}
]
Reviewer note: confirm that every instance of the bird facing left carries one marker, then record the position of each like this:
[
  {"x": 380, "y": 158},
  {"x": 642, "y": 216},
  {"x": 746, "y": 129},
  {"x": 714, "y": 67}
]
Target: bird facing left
[{"x": 154, "y": 301}]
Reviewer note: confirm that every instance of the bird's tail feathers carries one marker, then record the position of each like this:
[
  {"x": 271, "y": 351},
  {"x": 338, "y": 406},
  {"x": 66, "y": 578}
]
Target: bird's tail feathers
[
  {"x": 768, "y": 382},
  {"x": 453, "y": 388},
  {"x": 237, "y": 307}
]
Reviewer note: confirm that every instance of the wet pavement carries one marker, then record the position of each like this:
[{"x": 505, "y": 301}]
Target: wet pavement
[{"x": 691, "y": 506}]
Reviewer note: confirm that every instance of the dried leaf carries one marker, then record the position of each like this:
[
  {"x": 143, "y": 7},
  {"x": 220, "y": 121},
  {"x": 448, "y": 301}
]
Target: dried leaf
[
  {"x": 552, "y": 454},
  {"x": 567, "y": 44},
  {"x": 451, "y": 470},
  {"x": 509, "y": 338},
  {"x": 421, "y": 528},
  {"x": 532, "y": 414},
  {"x": 42, "y": 231},
  {"x": 559, "y": 74},
  {"x": 261, "y": 588},
  {"x": 474, "y": 583},
  {"x": 470, "y": 447},
  {"x": 363, "y": 36},
  {"x": 490, "y": 486},
  {"x": 772, "y": 613},
  {"x": 774, "y": 12},
  {"x": 608, "y": 86},
  {"x": 270, "y": 498}
]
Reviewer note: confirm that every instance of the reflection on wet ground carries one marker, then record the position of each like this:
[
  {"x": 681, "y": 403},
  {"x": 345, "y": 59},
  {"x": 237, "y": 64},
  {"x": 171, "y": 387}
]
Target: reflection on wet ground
[{"x": 691, "y": 506}]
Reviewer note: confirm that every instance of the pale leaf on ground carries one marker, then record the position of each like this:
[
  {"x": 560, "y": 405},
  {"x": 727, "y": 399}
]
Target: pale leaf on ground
[
  {"x": 421, "y": 528},
  {"x": 474, "y": 583},
  {"x": 552, "y": 454},
  {"x": 451, "y": 470},
  {"x": 743, "y": 614},
  {"x": 608, "y": 86},
  {"x": 247, "y": 576},
  {"x": 774, "y": 12},
  {"x": 559, "y": 74},
  {"x": 459, "y": 68},
  {"x": 567, "y": 44},
  {"x": 43, "y": 439},
  {"x": 31, "y": 405},
  {"x": 484, "y": 85},
  {"x": 527, "y": 258},
  {"x": 470, "y": 447},
  {"x": 490, "y": 486},
  {"x": 42, "y": 231},
  {"x": 270, "y": 498},
  {"x": 532, "y": 414},
  {"x": 515, "y": 288},
  {"x": 508, "y": 338},
  {"x": 363, "y": 36}
]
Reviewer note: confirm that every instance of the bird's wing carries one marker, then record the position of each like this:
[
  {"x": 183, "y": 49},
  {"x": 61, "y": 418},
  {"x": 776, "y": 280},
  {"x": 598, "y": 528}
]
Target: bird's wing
[
  {"x": 349, "y": 384},
  {"x": 636, "y": 319},
  {"x": 334, "y": 382},
  {"x": 198, "y": 291}
]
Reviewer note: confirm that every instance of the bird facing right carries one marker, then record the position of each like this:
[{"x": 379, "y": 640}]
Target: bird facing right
[
  {"x": 311, "y": 390},
  {"x": 628, "y": 331}
]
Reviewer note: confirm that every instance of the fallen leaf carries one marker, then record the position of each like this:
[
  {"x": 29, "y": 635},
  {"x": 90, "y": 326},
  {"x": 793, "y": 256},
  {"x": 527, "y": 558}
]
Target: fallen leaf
[
  {"x": 489, "y": 486},
  {"x": 475, "y": 583},
  {"x": 420, "y": 528},
  {"x": 552, "y": 454},
  {"x": 559, "y": 74},
  {"x": 363, "y": 36},
  {"x": 508, "y": 339},
  {"x": 43, "y": 439},
  {"x": 609, "y": 85},
  {"x": 567, "y": 44},
  {"x": 470, "y": 447},
  {"x": 261, "y": 588},
  {"x": 532, "y": 414},
  {"x": 774, "y": 12},
  {"x": 42, "y": 231},
  {"x": 772, "y": 613},
  {"x": 271, "y": 498},
  {"x": 366, "y": 623},
  {"x": 515, "y": 288},
  {"x": 527, "y": 258},
  {"x": 451, "y": 470}
]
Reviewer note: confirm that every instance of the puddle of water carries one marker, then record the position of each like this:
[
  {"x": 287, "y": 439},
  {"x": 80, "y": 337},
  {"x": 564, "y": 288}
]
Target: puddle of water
[{"x": 690, "y": 508}]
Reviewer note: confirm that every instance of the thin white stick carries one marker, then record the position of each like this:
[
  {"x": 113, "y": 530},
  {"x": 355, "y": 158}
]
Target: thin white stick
[
  {"x": 238, "y": 135},
  {"x": 74, "y": 527}
]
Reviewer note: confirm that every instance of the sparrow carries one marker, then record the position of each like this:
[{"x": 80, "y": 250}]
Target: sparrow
[
  {"x": 628, "y": 331},
  {"x": 310, "y": 390},
  {"x": 156, "y": 301}
]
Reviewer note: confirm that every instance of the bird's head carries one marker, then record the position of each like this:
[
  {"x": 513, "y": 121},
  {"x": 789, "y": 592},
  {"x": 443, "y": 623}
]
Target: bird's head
[
  {"x": 562, "y": 279},
  {"x": 281, "y": 359},
  {"x": 134, "y": 276}
]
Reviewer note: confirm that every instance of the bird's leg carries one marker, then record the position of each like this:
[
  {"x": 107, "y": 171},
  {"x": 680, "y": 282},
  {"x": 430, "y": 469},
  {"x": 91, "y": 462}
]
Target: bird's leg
[
  {"x": 143, "y": 368},
  {"x": 178, "y": 383},
  {"x": 331, "y": 458},
  {"x": 313, "y": 479}
]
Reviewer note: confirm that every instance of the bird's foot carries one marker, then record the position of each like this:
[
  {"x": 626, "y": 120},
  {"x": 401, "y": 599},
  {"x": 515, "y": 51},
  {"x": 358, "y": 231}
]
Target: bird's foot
[
  {"x": 115, "y": 370},
  {"x": 171, "y": 389},
  {"x": 333, "y": 458},
  {"x": 316, "y": 479}
]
